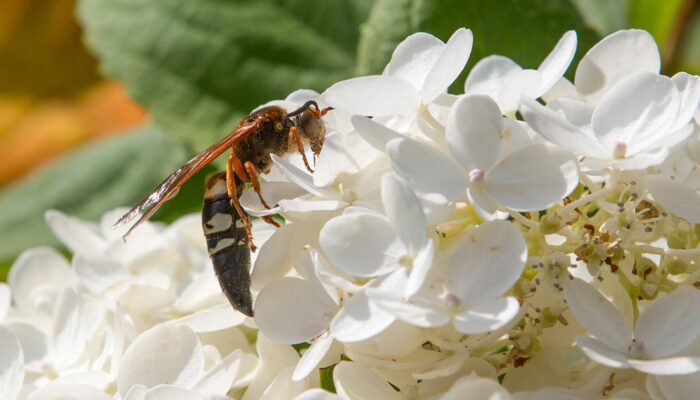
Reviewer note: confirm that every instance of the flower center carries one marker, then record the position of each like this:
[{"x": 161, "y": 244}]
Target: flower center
[
  {"x": 476, "y": 175},
  {"x": 453, "y": 302},
  {"x": 348, "y": 196},
  {"x": 619, "y": 150},
  {"x": 406, "y": 261},
  {"x": 637, "y": 350}
]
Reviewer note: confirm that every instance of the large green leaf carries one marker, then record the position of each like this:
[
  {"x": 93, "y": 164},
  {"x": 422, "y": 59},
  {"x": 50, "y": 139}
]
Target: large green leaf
[
  {"x": 87, "y": 183},
  {"x": 524, "y": 30},
  {"x": 199, "y": 66}
]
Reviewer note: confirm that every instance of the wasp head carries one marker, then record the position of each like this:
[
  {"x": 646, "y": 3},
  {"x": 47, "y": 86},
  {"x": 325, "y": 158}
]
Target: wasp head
[{"x": 310, "y": 125}]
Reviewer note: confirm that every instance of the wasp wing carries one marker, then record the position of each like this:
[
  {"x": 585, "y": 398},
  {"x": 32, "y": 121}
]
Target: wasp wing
[{"x": 169, "y": 187}]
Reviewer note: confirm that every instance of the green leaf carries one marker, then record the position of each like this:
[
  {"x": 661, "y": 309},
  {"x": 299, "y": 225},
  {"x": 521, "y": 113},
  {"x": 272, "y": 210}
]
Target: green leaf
[
  {"x": 524, "y": 30},
  {"x": 199, "y": 66},
  {"x": 112, "y": 173}
]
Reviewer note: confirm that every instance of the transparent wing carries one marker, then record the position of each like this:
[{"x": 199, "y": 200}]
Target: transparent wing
[{"x": 169, "y": 187}]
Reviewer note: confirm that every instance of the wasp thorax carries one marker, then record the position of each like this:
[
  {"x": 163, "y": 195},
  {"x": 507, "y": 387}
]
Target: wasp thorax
[{"x": 312, "y": 129}]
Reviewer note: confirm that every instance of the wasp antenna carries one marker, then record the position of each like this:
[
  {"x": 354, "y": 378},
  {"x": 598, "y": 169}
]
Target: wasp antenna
[{"x": 302, "y": 108}]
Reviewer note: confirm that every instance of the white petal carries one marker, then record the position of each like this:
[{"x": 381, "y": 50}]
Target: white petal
[
  {"x": 404, "y": 212},
  {"x": 416, "y": 312},
  {"x": 312, "y": 356},
  {"x": 69, "y": 336},
  {"x": 355, "y": 381},
  {"x": 211, "y": 319},
  {"x": 420, "y": 269},
  {"x": 362, "y": 244},
  {"x": 414, "y": 58},
  {"x": 36, "y": 278},
  {"x": 489, "y": 75},
  {"x": 283, "y": 386},
  {"x": 533, "y": 178},
  {"x": 486, "y": 262},
  {"x": 449, "y": 64},
  {"x": 68, "y": 391},
  {"x": 164, "y": 353},
  {"x": 524, "y": 84},
  {"x": 373, "y": 95},
  {"x": 598, "y": 315},
  {"x": 680, "y": 199},
  {"x": 343, "y": 153},
  {"x": 426, "y": 169},
  {"x": 487, "y": 316},
  {"x": 288, "y": 311},
  {"x": 273, "y": 259},
  {"x": 667, "y": 366},
  {"x": 477, "y": 388},
  {"x": 11, "y": 365},
  {"x": 473, "y": 132},
  {"x": 306, "y": 206},
  {"x": 559, "y": 131},
  {"x": 689, "y": 88},
  {"x": 638, "y": 111},
  {"x": 614, "y": 58},
  {"x": 318, "y": 394},
  {"x": 273, "y": 193},
  {"x": 5, "y": 297},
  {"x": 482, "y": 202},
  {"x": 557, "y": 61},
  {"x": 374, "y": 133},
  {"x": 599, "y": 352},
  {"x": 675, "y": 386},
  {"x": 79, "y": 236},
  {"x": 359, "y": 319},
  {"x": 162, "y": 392},
  {"x": 97, "y": 272},
  {"x": 217, "y": 381},
  {"x": 302, "y": 179},
  {"x": 35, "y": 343},
  {"x": 668, "y": 324}
]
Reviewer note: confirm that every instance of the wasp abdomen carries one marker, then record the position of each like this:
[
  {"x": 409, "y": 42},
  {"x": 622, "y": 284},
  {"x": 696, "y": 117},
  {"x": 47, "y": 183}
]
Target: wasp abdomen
[{"x": 227, "y": 242}]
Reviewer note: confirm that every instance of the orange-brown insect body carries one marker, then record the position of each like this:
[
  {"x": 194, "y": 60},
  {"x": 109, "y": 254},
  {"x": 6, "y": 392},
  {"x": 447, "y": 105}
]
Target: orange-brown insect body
[{"x": 272, "y": 136}]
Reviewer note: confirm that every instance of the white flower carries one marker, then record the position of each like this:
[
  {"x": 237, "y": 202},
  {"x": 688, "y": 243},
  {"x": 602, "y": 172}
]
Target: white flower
[
  {"x": 662, "y": 331},
  {"x": 530, "y": 178},
  {"x": 506, "y": 81}
]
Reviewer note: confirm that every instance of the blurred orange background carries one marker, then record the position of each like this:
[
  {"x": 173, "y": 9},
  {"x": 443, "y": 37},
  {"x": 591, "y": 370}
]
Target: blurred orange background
[{"x": 52, "y": 97}]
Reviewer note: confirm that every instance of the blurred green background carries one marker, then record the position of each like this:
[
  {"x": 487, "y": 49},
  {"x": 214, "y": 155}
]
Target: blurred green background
[{"x": 101, "y": 99}]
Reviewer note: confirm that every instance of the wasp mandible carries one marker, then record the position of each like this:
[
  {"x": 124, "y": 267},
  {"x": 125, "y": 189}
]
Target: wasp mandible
[{"x": 267, "y": 130}]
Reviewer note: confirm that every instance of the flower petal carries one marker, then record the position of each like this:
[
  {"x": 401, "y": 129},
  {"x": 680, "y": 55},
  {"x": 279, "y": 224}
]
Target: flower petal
[
  {"x": 218, "y": 379},
  {"x": 373, "y": 95},
  {"x": 354, "y": 381},
  {"x": 667, "y": 366},
  {"x": 680, "y": 199},
  {"x": 98, "y": 272},
  {"x": 273, "y": 193},
  {"x": 312, "y": 356},
  {"x": 449, "y": 64},
  {"x": 68, "y": 391},
  {"x": 76, "y": 234},
  {"x": 288, "y": 311},
  {"x": 485, "y": 317},
  {"x": 404, "y": 212},
  {"x": 638, "y": 111},
  {"x": 599, "y": 352},
  {"x": 426, "y": 169},
  {"x": 486, "y": 262},
  {"x": 614, "y": 58},
  {"x": 211, "y": 319},
  {"x": 11, "y": 365},
  {"x": 532, "y": 178},
  {"x": 164, "y": 353},
  {"x": 414, "y": 58},
  {"x": 303, "y": 179},
  {"x": 668, "y": 324},
  {"x": 557, "y": 61},
  {"x": 422, "y": 263},
  {"x": 488, "y": 76},
  {"x": 374, "y": 133},
  {"x": 362, "y": 244},
  {"x": 343, "y": 153},
  {"x": 359, "y": 319},
  {"x": 473, "y": 132},
  {"x": 598, "y": 315}
]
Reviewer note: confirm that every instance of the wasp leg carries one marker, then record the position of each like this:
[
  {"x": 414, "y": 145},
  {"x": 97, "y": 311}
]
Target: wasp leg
[
  {"x": 294, "y": 138},
  {"x": 253, "y": 174},
  {"x": 233, "y": 194}
]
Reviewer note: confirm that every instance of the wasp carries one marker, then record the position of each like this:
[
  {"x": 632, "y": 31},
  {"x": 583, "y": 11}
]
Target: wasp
[{"x": 226, "y": 226}]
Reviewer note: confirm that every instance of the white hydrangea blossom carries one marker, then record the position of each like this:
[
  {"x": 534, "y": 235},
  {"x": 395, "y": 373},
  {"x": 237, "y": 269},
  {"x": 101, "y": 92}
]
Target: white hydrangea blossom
[{"x": 444, "y": 248}]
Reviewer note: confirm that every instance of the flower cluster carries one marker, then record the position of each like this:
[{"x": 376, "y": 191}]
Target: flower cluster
[{"x": 532, "y": 238}]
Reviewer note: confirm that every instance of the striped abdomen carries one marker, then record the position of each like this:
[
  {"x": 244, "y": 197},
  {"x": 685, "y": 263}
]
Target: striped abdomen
[{"x": 227, "y": 243}]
